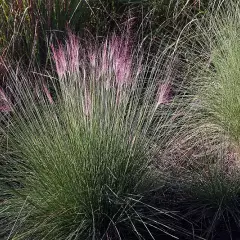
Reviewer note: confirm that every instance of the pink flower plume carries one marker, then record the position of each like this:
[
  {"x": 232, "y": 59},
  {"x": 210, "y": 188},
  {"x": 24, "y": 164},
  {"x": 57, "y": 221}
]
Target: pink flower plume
[
  {"x": 164, "y": 93},
  {"x": 5, "y": 105},
  {"x": 48, "y": 94}
]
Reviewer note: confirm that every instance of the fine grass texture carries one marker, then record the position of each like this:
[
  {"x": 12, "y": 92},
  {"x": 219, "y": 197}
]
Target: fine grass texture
[
  {"x": 211, "y": 198},
  {"x": 217, "y": 80},
  {"x": 79, "y": 157},
  {"x": 28, "y": 26},
  {"x": 211, "y": 180},
  {"x": 115, "y": 139}
]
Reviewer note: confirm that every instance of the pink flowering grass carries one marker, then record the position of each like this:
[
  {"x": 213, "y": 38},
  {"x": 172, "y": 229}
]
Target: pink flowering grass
[
  {"x": 164, "y": 93},
  {"x": 112, "y": 57},
  {"x": 5, "y": 105},
  {"x": 86, "y": 153},
  {"x": 110, "y": 64}
]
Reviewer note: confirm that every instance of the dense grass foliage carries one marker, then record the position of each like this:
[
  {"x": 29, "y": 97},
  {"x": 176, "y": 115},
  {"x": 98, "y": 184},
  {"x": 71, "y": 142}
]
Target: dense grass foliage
[
  {"x": 82, "y": 159},
  {"x": 120, "y": 138},
  {"x": 211, "y": 181},
  {"x": 214, "y": 85}
]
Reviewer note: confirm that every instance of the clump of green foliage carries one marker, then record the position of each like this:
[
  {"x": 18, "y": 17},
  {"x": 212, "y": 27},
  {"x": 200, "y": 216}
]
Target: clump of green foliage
[{"x": 82, "y": 159}]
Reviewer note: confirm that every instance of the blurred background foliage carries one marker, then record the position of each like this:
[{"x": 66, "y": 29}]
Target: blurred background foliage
[{"x": 28, "y": 26}]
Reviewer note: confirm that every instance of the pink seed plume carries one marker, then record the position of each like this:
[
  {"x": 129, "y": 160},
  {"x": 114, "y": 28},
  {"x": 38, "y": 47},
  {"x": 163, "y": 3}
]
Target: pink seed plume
[
  {"x": 72, "y": 52},
  {"x": 110, "y": 62},
  {"x": 48, "y": 94},
  {"x": 164, "y": 93},
  {"x": 5, "y": 105},
  {"x": 60, "y": 60}
]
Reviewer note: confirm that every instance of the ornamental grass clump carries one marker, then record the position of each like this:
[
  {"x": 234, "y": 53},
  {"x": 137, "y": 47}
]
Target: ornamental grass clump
[
  {"x": 213, "y": 87},
  {"x": 218, "y": 81},
  {"x": 79, "y": 157},
  {"x": 211, "y": 182}
]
